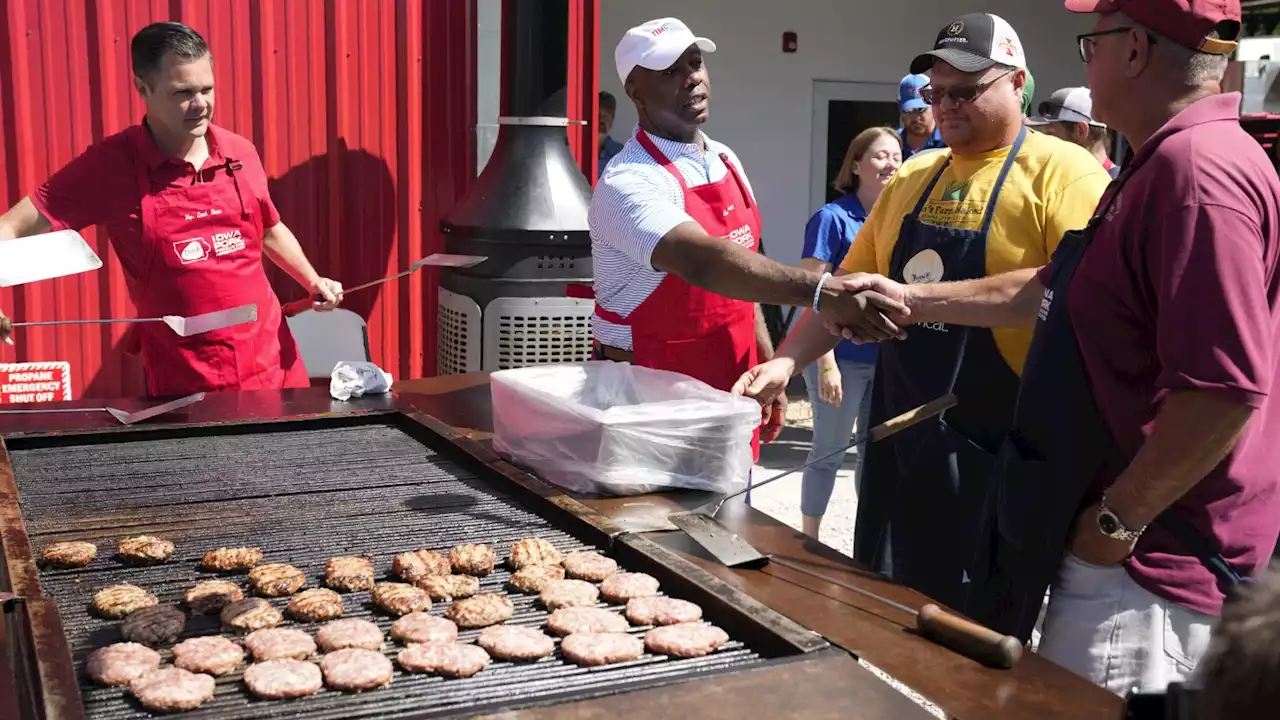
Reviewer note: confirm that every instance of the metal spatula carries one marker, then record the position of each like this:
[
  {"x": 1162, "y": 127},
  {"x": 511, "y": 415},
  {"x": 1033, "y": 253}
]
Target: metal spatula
[
  {"x": 434, "y": 260},
  {"x": 45, "y": 256},
  {"x": 124, "y": 416},
  {"x": 184, "y": 326}
]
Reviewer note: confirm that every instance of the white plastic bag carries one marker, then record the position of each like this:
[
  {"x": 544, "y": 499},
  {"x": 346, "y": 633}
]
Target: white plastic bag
[
  {"x": 612, "y": 428},
  {"x": 358, "y": 378}
]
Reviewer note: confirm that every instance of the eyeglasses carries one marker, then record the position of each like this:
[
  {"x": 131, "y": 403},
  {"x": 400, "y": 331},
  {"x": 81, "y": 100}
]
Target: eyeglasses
[
  {"x": 1088, "y": 43},
  {"x": 960, "y": 93}
]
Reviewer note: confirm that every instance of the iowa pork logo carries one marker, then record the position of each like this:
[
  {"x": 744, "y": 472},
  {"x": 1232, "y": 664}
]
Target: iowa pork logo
[
  {"x": 191, "y": 251},
  {"x": 743, "y": 236},
  {"x": 225, "y": 243}
]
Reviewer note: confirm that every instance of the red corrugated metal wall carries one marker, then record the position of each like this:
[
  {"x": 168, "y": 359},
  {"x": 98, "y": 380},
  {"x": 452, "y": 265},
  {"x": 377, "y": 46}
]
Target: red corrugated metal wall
[
  {"x": 582, "y": 95},
  {"x": 362, "y": 110}
]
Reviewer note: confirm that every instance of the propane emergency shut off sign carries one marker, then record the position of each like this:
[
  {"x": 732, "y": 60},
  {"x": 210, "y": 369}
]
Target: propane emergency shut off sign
[{"x": 35, "y": 382}]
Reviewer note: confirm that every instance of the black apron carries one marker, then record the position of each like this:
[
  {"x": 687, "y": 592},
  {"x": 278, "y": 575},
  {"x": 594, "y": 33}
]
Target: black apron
[{"x": 923, "y": 489}]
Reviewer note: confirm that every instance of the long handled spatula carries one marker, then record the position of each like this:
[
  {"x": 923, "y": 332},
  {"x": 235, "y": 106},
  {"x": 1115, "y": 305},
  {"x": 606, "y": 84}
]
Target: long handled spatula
[
  {"x": 435, "y": 260},
  {"x": 184, "y": 326},
  {"x": 45, "y": 256},
  {"x": 124, "y": 416}
]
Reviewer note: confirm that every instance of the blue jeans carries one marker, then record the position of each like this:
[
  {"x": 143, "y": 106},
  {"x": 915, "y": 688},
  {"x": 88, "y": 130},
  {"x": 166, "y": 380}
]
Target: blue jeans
[{"x": 832, "y": 430}]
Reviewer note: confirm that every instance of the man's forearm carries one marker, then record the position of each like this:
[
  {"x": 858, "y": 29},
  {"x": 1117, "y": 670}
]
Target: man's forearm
[
  {"x": 764, "y": 343},
  {"x": 284, "y": 250},
  {"x": 807, "y": 342},
  {"x": 728, "y": 269},
  {"x": 1005, "y": 300},
  {"x": 22, "y": 220}
]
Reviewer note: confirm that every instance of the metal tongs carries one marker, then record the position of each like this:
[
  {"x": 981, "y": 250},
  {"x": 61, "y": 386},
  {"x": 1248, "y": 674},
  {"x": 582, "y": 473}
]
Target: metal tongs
[
  {"x": 183, "y": 326},
  {"x": 434, "y": 260},
  {"x": 124, "y": 416}
]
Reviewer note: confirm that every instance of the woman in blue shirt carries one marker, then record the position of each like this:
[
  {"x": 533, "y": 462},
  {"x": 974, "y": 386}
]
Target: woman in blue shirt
[{"x": 840, "y": 382}]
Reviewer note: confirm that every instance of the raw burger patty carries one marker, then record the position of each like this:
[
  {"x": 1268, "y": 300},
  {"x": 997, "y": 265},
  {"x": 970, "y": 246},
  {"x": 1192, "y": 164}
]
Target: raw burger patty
[
  {"x": 228, "y": 558},
  {"x": 280, "y": 679},
  {"x": 120, "y": 663},
  {"x": 315, "y": 605},
  {"x": 276, "y": 579},
  {"x": 279, "y": 644},
  {"x": 480, "y": 611},
  {"x": 154, "y": 626},
  {"x": 624, "y": 586},
  {"x": 250, "y": 614},
  {"x": 589, "y": 566},
  {"x": 145, "y": 548},
  {"x": 448, "y": 587},
  {"x": 213, "y": 655},
  {"x": 118, "y": 601},
  {"x": 356, "y": 669},
  {"x": 420, "y": 627},
  {"x": 601, "y": 648},
  {"x": 662, "y": 611},
  {"x": 569, "y": 593},
  {"x": 472, "y": 559},
  {"x": 533, "y": 551},
  {"x": 419, "y": 563},
  {"x": 535, "y": 578},
  {"x": 400, "y": 598},
  {"x": 349, "y": 633},
  {"x": 210, "y": 596},
  {"x": 512, "y": 642},
  {"x": 70, "y": 554},
  {"x": 685, "y": 640},
  {"x": 348, "y": 573},
  {"x": 574, "y": 620},
  {"x": 455, "y": 660},
  {"x": 169, "y": 689}
]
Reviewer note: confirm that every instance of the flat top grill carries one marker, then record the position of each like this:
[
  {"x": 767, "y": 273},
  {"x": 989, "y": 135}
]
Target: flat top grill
[{"x": 303, "y": 493}]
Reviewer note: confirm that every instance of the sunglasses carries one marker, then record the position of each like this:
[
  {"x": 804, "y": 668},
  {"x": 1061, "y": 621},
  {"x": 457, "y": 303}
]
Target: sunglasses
[
  {"x": 961, "y": 93},
  {"x": 1088, "y": 42}
]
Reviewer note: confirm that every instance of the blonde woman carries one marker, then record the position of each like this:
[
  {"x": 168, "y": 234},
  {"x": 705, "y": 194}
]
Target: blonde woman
[{"x": 840, "y": 382}]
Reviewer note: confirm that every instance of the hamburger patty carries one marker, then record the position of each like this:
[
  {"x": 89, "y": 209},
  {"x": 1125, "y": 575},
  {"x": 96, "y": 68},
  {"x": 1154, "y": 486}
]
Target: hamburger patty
[
  {"x": 154, "y": 626},
  {"x": 231, "y": 558},
  {"x": 315, "y": 605},
  {"x": 420, "y": 563},
  {"x": 574, "y": 620},
  {"x": 624, "y": 586},
  {"x": 448, "y": 587},
  {"x": 145, "y": 549},
  {"x": 355, "y": 669},
  {"x": 535, "y": 578},
  {"x": 590, "y": 566},
  {"x": 276, "y": 579},
  {"x": 169, "y": 689},
  {"x": 532, "y": 551},
  {"x": 472, "y": 559},
  {"x": 400, "y": 598},
  {"x": 119, "y": 601},
  {"x": 568, "y": 593},
  {"x": 279, "y": 644},
  {"x": 208, "y": 597},
  {"x": 348, "y": 573},
  {"x": 455, "y": 660},
  {"x": 250, "y": 614},
  {"x": 657, "y": 610},
  {"x": 120, "y": 663},
  {"x": 512, "y": 642},
  {"x": 212, "y": 655},
  {"x": 70, "y": 554},
  {"x": 685, "y": 640},
  {"x": 349, "y": 633},
  {"x": 601, "y": 648},
  {"x": 480, "y": 611},
  {"x": 280, "y": 679},
  {"x": 420, "y": 627}
]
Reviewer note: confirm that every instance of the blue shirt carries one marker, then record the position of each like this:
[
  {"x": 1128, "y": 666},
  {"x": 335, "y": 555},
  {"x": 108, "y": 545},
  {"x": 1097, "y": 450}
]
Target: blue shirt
[
  {"x": 935, "y": 141},
  {"x": 827, "y": 237},
  {"x": 608, "y": 149}
]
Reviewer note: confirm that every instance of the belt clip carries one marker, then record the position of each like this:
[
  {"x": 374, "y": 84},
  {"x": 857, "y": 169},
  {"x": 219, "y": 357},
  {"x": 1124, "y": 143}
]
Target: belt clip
[{"x": 234, "y": 166}]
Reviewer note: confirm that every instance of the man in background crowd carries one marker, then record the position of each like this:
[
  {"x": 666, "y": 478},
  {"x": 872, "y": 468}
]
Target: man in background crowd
[
  {"x": 919, "y": 131},
  {"x": 1068, "y": 115},
  {"x": 608, "y": 146}
]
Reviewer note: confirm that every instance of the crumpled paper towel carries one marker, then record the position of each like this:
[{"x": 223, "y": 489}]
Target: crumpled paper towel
[{"x": 353, "y": 379}]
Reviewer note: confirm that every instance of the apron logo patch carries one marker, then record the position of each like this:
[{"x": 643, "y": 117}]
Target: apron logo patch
[
  {"x": 191, "y": 251},
  {"x": 924, "y": 268},
  {"x": 743, "y": 236},
  {"x": 1046, "y": 303},
  {"x": 225, "y": 243}
]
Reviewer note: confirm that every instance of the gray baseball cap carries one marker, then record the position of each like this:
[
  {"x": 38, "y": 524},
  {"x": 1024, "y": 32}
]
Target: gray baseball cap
[{"x": 1071, "y": 104}]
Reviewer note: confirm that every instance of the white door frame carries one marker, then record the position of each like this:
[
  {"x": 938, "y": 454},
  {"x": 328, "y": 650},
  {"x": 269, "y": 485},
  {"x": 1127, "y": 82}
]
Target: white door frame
[{"x": 824, "y": 91}]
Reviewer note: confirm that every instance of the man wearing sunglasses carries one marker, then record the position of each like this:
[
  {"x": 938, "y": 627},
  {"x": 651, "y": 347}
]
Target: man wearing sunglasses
[
  {"x": 998, "y": 199},
  {"x": 1068, "y": 115}
]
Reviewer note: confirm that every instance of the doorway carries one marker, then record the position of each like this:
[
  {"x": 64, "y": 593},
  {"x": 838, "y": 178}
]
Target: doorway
[{"x": 841, "y": 110}]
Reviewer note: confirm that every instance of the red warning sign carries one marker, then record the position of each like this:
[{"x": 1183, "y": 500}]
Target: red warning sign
[{"x": 35, "y": 382}]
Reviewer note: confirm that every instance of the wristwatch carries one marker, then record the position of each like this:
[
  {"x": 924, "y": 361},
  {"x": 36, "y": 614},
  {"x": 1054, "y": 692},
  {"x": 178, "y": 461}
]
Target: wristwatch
[{"x": 1112, "y": 526}]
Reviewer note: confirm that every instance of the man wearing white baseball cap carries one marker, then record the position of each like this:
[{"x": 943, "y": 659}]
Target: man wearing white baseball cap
[{"x": 1068, "y": 115}]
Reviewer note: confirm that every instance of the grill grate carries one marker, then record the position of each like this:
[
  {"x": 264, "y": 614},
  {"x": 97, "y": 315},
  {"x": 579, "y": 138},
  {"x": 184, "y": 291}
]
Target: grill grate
[{"x": 303, "y": 496}]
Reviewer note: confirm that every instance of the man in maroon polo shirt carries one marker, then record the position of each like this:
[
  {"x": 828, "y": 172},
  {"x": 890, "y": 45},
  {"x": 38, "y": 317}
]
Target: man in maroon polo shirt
[{"x": 1144, "y": 442}]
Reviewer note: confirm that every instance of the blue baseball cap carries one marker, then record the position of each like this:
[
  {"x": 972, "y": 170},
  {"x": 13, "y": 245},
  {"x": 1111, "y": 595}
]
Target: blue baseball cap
[{"x": 909, "y": 93}]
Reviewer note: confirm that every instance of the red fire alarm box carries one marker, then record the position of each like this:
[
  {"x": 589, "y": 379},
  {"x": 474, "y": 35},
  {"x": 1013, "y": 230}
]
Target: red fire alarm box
[{"x": 789, "y": 42}]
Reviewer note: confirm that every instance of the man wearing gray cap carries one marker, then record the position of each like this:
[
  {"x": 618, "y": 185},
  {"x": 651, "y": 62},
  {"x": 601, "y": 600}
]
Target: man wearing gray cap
[{"x": 1068, "y": 115}]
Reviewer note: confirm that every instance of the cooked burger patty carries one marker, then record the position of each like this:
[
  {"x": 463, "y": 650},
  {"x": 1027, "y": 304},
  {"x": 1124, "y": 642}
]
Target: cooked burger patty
[
  {"x": 349, "y": 633},
  {"x": 120, "y": 663},
  {"x": 656, "y": 610},
  {"x": 590, "y": 566},
  {"x": 229, "y": 558},
  {"x": 118, "y": 601},
  {"x": 456, "y": 660},
  {"x": 279, "y": 644},
  {"x": 685, "y": 640},
  {"x": 420, "y": 627},
  {"x": 348, "y": 573},
  {"x": 212, "y": 655},
  {"x": 145, "y": 549},
  {"x": 250, "y": 614},
  {"x": 448, "y": 587},
  {"x": 276, "y": 579},
  {"x": 400, "y": 598},
  {"x": 420, "y": 563},
  {"x": 482, "y": 610},
  {"x": 315, "y": 605},
  {"x": 70, "y": 554},
  {"x": 624, "y": 586},
  {"x": 169, "y": 689},
  {"x": 280, "y": 679},
  {"x": 472, "y": 559},
  {"x": 533, "y": 551},
  {"x": 568, "y": 593},
  {"x": 512, "y": 642},
  {"x": 210, "y": 596},
  {"x": 154, "y": 626},
  {"x": 574, "y": 620},
  {"x": 356, "y": 669},
  {"x": 601, "y": 648}
]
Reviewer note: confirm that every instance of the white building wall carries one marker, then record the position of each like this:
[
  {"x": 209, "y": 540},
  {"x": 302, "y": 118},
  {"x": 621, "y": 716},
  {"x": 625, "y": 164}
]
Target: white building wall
[{"x": 762, "y": 98}]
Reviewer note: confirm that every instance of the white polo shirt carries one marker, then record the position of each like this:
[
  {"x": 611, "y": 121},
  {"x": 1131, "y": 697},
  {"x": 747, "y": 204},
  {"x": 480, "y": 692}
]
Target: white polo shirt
[{"x": 635, "y": 203}]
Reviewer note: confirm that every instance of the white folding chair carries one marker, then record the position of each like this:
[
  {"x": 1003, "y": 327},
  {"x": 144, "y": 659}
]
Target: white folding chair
[{"x": 327, "y": 338}]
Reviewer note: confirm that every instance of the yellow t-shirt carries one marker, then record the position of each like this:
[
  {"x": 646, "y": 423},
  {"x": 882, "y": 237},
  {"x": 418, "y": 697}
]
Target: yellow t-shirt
[{"x": 1054, "y": 186}]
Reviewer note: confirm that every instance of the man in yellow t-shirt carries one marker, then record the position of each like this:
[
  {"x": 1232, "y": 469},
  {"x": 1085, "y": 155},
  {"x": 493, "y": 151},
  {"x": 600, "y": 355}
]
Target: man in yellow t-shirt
[{"x": 998, "y": 199}]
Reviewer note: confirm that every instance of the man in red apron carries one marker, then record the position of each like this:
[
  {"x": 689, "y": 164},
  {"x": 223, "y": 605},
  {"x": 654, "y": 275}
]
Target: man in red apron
[{"x": 186, "y": 206}]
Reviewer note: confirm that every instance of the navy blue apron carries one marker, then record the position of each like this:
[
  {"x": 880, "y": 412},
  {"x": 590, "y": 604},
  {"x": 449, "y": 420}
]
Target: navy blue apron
[{"x": 923, "y": 489}]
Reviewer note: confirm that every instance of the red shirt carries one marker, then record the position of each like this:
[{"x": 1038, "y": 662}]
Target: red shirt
[
  {"x": 100, "y": 186},
  {"x": 1179, "y": 290}
]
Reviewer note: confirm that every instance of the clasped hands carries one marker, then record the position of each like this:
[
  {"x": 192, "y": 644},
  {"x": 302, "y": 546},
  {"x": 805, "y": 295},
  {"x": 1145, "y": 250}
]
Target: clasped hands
[{"x": 865, "y": 308}]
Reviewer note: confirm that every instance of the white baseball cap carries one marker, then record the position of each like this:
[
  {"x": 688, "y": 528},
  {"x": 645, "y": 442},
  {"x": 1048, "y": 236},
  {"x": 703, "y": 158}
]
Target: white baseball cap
[
  {"x": 656, "y": 45},
  {"x": 1073, "y": 104}
]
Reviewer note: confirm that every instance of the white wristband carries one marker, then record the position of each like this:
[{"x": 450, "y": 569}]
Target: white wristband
[{"x": 817, "y": 292}]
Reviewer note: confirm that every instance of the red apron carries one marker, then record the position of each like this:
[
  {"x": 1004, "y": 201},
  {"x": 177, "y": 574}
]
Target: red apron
[
  {"x": 684, "y": 328},
  {"x": 203, "y": 244}
]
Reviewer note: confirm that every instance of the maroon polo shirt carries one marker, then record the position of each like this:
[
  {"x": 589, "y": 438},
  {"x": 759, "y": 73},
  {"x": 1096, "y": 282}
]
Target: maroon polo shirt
[{"x": 1180, "y": 291}]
